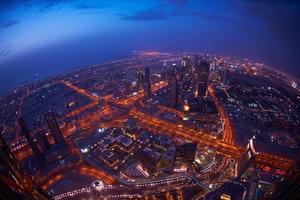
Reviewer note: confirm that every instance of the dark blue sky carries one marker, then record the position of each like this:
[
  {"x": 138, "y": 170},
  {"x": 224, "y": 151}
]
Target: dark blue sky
[{"x": 49, "y": 37}]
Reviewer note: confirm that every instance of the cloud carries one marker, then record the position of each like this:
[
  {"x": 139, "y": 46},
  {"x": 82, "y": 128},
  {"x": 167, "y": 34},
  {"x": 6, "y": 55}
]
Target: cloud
[
  {"x": 10, "y": 4},
  {"x": 89, "y": 7},
  {"x": 281, "y": 19},
  {"x": 146, "y": 15},
  {"x": 178, "y": 3},
  {"x": 176, "y": 9},
  {"x": 5, "y": 51},
  {"x": 193, "y": 13},
  {"x": 8, "y": 23},
  {"x": 277, "y": 1}
]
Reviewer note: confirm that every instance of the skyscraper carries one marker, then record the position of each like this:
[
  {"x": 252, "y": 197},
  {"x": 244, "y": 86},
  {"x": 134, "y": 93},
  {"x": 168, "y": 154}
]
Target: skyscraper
[
  {"x": 247, "y": 158},
  {"x": 147, "y": 85},
  {"x": 186, "y": 108},
  {"x": 140, "y": 79},
  {"x": 14, "y": 183},
  {"x": 226, "y": 77},
  {"x": 43, "y": 141},
  {"x": 54, "y": 128},
  {"x": 185, "y": 69},
  {"x": 185, "y": 155},
  {"x": 186, "y": 62},
  {"x": 174, "y": 92},
  {"x": 164, "y": 72},
  {"x": 30, "y": 140},
  {"x": 202, "y": 69}
]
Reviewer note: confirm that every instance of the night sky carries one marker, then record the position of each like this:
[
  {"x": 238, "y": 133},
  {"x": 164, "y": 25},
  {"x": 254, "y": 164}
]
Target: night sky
[{"x": 42, "y": 38}]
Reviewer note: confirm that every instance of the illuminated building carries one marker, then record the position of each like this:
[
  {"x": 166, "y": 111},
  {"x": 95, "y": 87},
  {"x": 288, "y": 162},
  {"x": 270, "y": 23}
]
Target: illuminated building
[
  {"x": 130, "y": 126},
  {"x": 165, "y": 63},
  {"x": 228, "y": 191},
  {"x": 43, "y": 141},
  {"x": 185, "y": 154},
  {"x": 186, "y": 109},
  {"x": 147, "y": 84},
  {"x": 14, "y": 183},
  {"x": 142, "y": 169},
  {"x": 186, "y": 62},
  {"x": 186, "y": 65},
  {"x": 202, "y": 69},
  {"x": 186, "y": 85},
  {"x": 140, "y": 79},
  {"x": 167, "y": 159},
  {"x": 164, "y": 72},
  {"x": 127, "y": 87},
  {"x": 145, "y": 164},
  {"x": 147, "y": 75},
  {"x": 247, "y": 158},
  {"x": 170, "y": 75},
  {"x": 54, "y": 128},
  {"x": 226, "y": 77},
  {"x": 30, "y": 141}
]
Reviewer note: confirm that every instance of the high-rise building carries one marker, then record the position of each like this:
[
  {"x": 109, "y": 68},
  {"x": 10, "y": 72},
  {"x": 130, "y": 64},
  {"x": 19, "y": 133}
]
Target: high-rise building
[
  {"x": 186, "y": 62},
  {"x": 170, "y": 76},
  {"x": 147, "y": 75},
  {"x": 165, "y": 63},
  {"x": 185, "y": 155},
  {"x": 14, "y": 183},
  {"x": 185, "y": 69},
  {"x": 148, "y": 90},
  {"x": 202, "y": 69},
  {"x": 174, "y": 92},
  {"x": 130, "y": 126},
  {"x": 147, "y": 85},
  {"x": 140, "y": 80},
  {"x": 228, "y": 191},
  {"x": 43, "y": 141},
  {"x": 186, "y": 108},
  {"x": 164, "y": 72},
  {"x": 186, "y": 65},
  {"x": 30, "y": 141},
  {"x": 54, "y": 128},
  {"x": 247, "y": 158},
  {"x": 226, "y": 77}
]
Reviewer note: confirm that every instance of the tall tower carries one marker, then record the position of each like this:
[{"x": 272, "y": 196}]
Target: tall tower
[
  {"x": 226, "y": 77},
  {"x": 147, "y": 85},
  {"x": 185, "y": 67},
  {"x": 30, "y": 140},
  {"x": 43, "y": 141},
  {"x": 247, "y": 158},
  {"x": 202, "y": 68},
  {"x": 54, "y": 128},
  {"x": 186, "y": 64},
  {"x": 14, "y": 183},
  {"x": 140, "y": 80},
  {"x": 174, "y": 92},
  {"x": 164, "y": 72}
]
